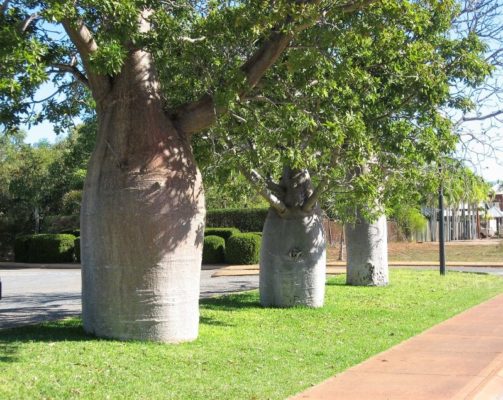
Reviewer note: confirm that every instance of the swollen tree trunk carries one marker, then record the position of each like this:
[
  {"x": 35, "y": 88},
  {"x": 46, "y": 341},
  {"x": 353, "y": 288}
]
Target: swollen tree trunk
[
  {"x": 367, "y": 252},
  {"x": 293, "y": 253},
  {"x": 142, "y": 218}
]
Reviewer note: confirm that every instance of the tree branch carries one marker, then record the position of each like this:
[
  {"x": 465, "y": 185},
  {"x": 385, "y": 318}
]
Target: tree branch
[
  {"x": 322, "y": 185},
  {"x": 74, "y": 71},
  {"x": 195, "y": 116},
  {"x": 86, "y": 45},
  {"x": 256, "y": 180},
  {"x": 354, "y": 6},
  {"x": 23, "y": 26}
]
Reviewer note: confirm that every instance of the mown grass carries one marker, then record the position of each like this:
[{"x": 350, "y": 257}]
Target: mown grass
[{"x": 243, "y": 351}]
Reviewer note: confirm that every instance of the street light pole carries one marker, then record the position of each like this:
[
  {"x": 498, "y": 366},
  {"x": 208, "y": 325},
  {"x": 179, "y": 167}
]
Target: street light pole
[{"x": 441, "y": 239}]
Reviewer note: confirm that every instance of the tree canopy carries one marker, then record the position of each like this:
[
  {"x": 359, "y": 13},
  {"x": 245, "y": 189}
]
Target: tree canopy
[{"x": 362, "y": 91}]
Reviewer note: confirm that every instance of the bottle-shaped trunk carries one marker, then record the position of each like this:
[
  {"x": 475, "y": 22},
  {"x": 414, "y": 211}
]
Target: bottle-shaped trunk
[
  {"x": 142, "y": 220},
  {"x": 293, "y": 253},
  {"x": 367, "y": 252}
]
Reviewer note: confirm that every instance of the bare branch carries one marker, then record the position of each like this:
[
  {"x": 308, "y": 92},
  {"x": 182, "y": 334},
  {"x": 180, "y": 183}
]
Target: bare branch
[{"x": 483, "y": 117}]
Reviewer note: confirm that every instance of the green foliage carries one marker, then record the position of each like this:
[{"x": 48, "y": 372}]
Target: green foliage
[
  {"x": 76, "y": 245},
  {"x": 22, "y": 248},
  {"x": 45, "y": 248},
  {"x": 71, "y": 202},
  {"x": 243, "y": 249},
  {"x": 61, "y": 223},
  {"x": 213, "y": 249},
  {"x": 358, "y": 100},
  {"x": 43, "y": 180},
  {"x": 246, "y": 220},
  {"x": 225, "y": 233},
  {"x": 274, "y": 353},
  {"x": 409, "y": 220}
]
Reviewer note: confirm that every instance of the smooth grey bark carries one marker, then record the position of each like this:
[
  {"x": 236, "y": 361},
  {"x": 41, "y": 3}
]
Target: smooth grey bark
[
  {"x": 142, "y": 218},
  {"x": 293, "y": 261},
  {"x": 367, "y": 252},
  {"x": 293, "y": 252}
]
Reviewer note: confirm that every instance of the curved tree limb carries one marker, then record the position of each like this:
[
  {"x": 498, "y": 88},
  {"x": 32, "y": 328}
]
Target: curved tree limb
[
  {"x": 254, "y": 178},
  {"x": 72, "y": 69},
  {"x": 83, "y": 39},
  {"x": 196, "y": 116}
]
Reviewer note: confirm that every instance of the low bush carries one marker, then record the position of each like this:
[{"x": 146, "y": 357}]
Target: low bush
[
  {"x": 76, "y": 246},
  {"x": 245, "y": 219},
  {"x": 257, "y": 233},
  {"x": 243, "y": 249},
  {"x": 213, "y": 250},
  {"x": 45, "y": 248},
  {"x": 225, "y": 233},
  {"x": 22, "y": 249}
]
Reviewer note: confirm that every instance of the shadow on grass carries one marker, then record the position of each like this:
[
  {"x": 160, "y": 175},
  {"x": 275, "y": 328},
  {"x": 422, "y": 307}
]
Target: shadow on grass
[
  {"x": 213, "y": 322},
  {"x": 231, "y": 302},
  {"x": 58, "y": 331}
]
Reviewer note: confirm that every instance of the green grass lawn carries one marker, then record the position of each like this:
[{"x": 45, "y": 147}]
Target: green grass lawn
[{"x": 243, "y": 351}]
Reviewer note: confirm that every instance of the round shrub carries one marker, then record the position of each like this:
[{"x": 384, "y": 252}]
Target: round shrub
[
  {"x": 243, "y": 249},
  {"x": 213, "y": 250},
  {"x": 76, "y": 245},
  {"x": 225, "y": 233}
]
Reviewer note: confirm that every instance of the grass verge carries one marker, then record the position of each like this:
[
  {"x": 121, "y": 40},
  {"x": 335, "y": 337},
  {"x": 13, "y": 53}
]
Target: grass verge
[{"x": 244, "y": 351}]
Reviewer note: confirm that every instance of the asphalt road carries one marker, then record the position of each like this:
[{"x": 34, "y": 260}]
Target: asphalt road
[{"x": 35, "y": 295}]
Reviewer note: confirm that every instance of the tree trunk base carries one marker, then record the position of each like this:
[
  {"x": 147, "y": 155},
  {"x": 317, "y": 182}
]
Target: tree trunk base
[
  {"x": 367, "y": 253},
  {"x": 292, "y": 261}
]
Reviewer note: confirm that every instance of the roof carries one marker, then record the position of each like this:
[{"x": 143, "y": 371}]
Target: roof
[{"x": 495, "y": 212}]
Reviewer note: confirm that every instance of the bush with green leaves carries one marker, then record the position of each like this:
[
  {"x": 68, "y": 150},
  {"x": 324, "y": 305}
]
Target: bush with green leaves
[
  {"x": 244, "y": 219},
  {"x": 243, "y": 249},
  {"x": 225, "y": 233},
  {"x": 213, "y": 250},
  {"x": 21, "y": 248},
  {"x": 45, "y": 248}
]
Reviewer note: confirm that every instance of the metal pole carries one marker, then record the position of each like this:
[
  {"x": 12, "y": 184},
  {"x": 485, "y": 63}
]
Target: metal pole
[{"x": 441, "y": 239}]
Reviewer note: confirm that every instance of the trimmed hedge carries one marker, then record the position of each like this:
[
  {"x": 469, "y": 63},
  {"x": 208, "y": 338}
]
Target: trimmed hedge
[
  {"x": 76, "y": 244},
  {"x": 48, "y": 248},
  {"x": 243, "y": 249},
  {"x": 245, "y": 219},
  {"x": 225, "y": 233},
  {"x": 213, "y": 250},
  {"x": 22, "y": 249}
]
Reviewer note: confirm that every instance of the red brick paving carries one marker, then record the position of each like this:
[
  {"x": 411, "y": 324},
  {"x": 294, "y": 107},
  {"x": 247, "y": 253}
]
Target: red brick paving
[{"x": 461, "y": 358}]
